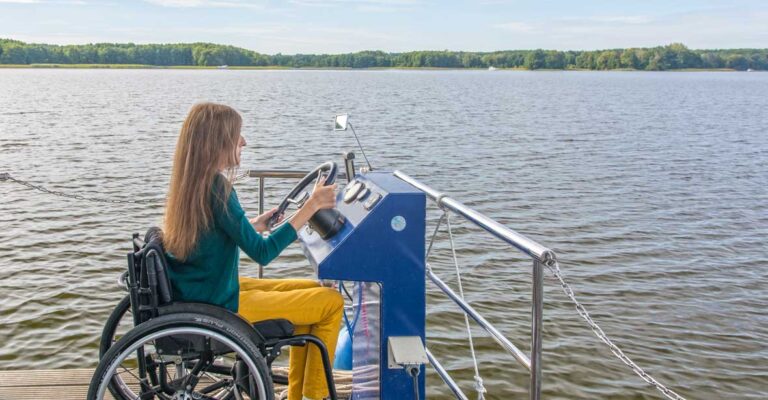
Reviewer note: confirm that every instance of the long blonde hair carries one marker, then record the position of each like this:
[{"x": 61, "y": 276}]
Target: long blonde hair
[{"x": 207, "y": 142}]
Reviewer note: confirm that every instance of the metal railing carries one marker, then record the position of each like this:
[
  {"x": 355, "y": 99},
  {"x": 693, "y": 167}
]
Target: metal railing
[{"x": 538, "y": 253}]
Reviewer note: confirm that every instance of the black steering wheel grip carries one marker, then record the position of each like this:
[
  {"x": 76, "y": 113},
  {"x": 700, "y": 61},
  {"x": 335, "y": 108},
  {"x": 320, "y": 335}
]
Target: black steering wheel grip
[{"x": 329, "y": 168}]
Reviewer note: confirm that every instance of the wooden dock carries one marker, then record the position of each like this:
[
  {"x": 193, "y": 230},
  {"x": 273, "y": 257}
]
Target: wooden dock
[{"x": 72, "y": 384}]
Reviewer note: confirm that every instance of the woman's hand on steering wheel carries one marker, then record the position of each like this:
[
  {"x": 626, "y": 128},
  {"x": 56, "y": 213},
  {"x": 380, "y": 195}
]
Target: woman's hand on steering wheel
[
  {"x": 323, "y": 197},
  {"x": 260, "y": 223}
]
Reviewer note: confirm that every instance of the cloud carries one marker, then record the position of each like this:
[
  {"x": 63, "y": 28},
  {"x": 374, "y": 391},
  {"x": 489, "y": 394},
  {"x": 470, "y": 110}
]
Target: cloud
[
  {"x": 65, "y": 2},
  {"x": 574, "y": 24},
  {"x": 207, "y": 3},
  {"x": 707, "y": 28},
  {"x": 353, "y": 2},
  {"x": 611, "y": 19},
  {"x": 359, "y": 5},
  {"x": 368, "y": 6},
  {"x": 515, "y": 27}
]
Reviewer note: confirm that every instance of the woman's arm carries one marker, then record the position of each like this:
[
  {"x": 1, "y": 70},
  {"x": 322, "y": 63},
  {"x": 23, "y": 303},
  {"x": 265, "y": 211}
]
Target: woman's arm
[
  {"x": 323, "y": 197},
  {"x": 261, "y": 249},
  {"x": 260, "y": 223},
  {"x": 232, "y": 220}
]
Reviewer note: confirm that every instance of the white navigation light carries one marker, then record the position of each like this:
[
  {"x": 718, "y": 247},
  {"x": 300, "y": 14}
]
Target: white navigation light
[{"x": 340, "y": 122}]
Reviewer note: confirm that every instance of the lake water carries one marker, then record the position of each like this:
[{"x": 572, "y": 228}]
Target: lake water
[{"x": 651, "y": 187}]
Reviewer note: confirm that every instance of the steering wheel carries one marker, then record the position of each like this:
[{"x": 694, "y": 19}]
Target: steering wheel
[{"x": 326, "y": 222}]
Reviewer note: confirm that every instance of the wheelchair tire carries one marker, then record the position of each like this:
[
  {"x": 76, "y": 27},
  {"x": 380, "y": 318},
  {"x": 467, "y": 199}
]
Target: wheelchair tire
[
  {"x": 149, "y": 338},
  {"x": 114, "y": 322}
]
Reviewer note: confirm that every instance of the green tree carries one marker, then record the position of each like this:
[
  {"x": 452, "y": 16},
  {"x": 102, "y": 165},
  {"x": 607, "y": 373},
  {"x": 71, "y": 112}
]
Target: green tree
[
  {"x": 737, "y": 62},
  {"x": 534, "y": 60},
  {"x": 711, "y": 60},
  {"x": 607, "y": 60},
  {"x": 585, "y": 60},
  {"x": 14, "y": 54},
  {"x": 628, "y": 59},
  {"x": 554, "y": 59},
  {"x": 758, "y": 61},
  {"x": 675, "y": 55}
]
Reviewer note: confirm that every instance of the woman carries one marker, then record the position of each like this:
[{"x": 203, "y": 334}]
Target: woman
[{"x": 205, "y": 228}]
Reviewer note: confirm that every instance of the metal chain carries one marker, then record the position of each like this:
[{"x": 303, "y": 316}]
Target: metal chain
[
  {"x": 7, "y": 177},
  {"x": 554, "y": 268}
]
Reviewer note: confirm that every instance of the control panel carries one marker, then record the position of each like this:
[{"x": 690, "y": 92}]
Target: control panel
[{"x": 381, "y": 247}]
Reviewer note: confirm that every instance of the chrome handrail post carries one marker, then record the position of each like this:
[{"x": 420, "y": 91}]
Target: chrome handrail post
[
  {"x": 521, "y": 357},
  {"x": 261, "y": 211},
  {"x": 445, "y": 376},
  {"x": 537, "y": 311},
  {"x": 261, "y": 195}
]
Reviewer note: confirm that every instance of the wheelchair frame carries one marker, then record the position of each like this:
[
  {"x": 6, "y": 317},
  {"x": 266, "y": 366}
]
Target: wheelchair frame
[{"x": 150, "y": 297}]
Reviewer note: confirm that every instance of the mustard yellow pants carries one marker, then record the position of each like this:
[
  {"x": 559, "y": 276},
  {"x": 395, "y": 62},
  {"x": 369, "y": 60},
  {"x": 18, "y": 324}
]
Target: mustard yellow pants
[{"x": 312, "y": 309}]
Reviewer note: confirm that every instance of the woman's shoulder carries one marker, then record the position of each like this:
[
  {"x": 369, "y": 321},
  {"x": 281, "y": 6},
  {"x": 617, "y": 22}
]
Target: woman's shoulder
[
  {"x": 221, "y": 183},
  {"x": 224, "y": 197},
  {"x": 222, "y": 188}
]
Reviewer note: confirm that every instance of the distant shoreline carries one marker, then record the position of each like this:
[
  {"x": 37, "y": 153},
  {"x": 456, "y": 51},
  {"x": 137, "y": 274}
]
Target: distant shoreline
[
  {"x": 194, "y": 55},
  {"x": 194, "y": 67}
]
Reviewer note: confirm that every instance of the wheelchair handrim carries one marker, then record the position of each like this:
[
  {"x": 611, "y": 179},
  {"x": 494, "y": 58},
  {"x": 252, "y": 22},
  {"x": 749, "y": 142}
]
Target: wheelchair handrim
[{"x": 175, "y": 331}]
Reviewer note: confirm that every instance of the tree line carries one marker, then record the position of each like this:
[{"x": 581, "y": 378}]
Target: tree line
[{"x": 673, "y": 56}]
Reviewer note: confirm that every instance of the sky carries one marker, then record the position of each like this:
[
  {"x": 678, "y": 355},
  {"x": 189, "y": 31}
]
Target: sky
[{"x": 342, "y": 26}]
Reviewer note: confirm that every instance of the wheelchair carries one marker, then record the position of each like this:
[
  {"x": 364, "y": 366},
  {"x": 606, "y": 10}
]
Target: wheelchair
[{"x": 178, "y": 350}]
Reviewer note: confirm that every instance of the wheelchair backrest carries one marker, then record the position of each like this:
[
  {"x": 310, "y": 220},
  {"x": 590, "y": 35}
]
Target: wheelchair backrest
[
  {"x": 150, "y": 289},
  {"x": 148, "y": 276}
]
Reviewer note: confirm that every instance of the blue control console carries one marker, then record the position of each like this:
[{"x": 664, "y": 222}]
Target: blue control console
[{"x": 381, "y": 246}]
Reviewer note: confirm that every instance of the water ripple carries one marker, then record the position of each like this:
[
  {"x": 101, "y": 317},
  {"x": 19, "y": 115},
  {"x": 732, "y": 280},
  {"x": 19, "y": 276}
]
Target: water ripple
[{"x": 651, "y": 187}]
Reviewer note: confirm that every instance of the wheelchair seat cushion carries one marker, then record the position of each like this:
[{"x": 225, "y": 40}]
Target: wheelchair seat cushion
[{"x": 274, "y": 328}]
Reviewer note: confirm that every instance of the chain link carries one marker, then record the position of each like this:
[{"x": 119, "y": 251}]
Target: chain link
[
  {"x": 554, "y": 268},
  {"x": 7, "y": 177}
]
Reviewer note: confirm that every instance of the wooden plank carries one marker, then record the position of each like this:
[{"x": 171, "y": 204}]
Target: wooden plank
[
  {"x": 45, "y": 377},
  {"x": 62, "y": 384},
  {"x": 72, "y": 384},
  {"x": 46, "y": 392}
]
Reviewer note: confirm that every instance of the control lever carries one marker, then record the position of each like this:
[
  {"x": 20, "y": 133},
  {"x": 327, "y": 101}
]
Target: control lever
[
  {"x": 300, "y": 200},
  {"x": 349, "y": 165}
]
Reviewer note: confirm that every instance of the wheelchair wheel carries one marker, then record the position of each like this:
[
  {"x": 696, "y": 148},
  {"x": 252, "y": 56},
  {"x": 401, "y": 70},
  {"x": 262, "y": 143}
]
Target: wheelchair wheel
[
  {"x": 118, "y": 324},
  {"x": 120, "y": 321},
  {"x": 183, "y": 356}
]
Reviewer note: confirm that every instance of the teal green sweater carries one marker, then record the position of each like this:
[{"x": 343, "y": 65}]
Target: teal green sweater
[{"x": 210, "y": 273}]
